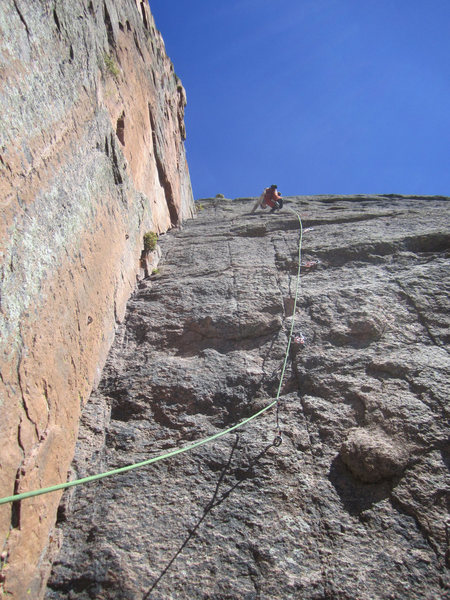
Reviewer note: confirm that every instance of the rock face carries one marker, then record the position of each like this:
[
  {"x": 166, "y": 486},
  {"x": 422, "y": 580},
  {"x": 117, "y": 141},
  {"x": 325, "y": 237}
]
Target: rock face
[
  {"x": 91, "y": 158},
  {"x": 353, "y": 504},
  {"x": 372, "y": 456}
]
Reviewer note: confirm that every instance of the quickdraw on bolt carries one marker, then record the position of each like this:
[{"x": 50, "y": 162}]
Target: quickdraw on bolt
[
  {"x": 299, "y": 340},
  {"x": 278, "y": 440}
]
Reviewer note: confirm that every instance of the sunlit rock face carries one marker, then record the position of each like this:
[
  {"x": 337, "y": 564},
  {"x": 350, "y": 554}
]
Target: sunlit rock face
[
  {"x": 91, "y": 158},
  {"x": 353, "y": 502}
]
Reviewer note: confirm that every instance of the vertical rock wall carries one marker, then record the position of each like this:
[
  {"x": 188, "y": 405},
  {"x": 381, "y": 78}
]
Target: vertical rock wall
[
  {"x": 354, "y": 503},
  {"x": 91, "y": 157}
]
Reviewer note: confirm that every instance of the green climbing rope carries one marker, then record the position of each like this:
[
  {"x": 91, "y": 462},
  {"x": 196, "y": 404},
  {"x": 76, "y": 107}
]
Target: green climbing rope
[
  {"x": 297, "y": 290},
  {"x": 68, "y": 484}
]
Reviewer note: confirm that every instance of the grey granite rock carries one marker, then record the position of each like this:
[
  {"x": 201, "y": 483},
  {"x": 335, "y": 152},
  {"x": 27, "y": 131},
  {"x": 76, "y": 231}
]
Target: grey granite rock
[
  {"x": 372, "y": 456},
  {"x": 354, "y": 503}
]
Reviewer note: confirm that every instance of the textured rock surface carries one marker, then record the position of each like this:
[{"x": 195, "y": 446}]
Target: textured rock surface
[
  {"x": 91, "y": 157},
  {"x": 372, "y": 456},
  {"x": 202, "y": 346}
]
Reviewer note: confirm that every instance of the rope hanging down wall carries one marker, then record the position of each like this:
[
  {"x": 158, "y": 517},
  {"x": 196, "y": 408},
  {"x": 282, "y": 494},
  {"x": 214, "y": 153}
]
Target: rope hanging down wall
[{"x": 67, "y": 484}]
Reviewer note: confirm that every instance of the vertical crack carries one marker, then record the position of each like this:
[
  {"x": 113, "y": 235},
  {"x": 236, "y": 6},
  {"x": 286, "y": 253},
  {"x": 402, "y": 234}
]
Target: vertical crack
[
  {"x": 109, "y": 27},
  {"x": 404, "y": 509},
  {"x": 420, "y": 316},
  {"x": 235, "y": 288},
  {"x": 162, "y": 175},
  {"x": 115, "y": 164},
  {"x": 22, "y": 19},
  {"x": 24, "y": 402}
]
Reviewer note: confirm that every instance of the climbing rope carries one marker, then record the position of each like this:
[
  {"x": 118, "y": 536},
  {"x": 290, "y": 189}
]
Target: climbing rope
[
  {"x": 67, "y": 484},
  {"x": 277, "y": 440}
]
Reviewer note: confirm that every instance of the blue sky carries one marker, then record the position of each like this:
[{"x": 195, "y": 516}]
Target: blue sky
[{"x": 316, "y": 96}]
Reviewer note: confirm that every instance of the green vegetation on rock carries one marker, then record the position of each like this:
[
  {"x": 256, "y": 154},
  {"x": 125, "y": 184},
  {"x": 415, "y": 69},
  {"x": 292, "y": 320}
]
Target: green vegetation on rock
[
  {"x": 111, "y": 65},
  {"x": 150, "y": 241}
]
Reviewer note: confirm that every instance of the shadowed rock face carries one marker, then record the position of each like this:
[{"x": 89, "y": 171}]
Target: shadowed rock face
[
  {"x": 91, "y": 158},
  {"x": 353, "y": 504}
]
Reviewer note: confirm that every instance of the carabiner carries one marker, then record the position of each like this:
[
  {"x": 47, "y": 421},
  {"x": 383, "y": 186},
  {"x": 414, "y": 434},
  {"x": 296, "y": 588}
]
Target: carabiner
[{"x": 278, "y": 440}]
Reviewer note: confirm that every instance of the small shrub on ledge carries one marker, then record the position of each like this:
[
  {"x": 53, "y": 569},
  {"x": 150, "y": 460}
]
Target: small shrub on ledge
[
  {"x": 111, "y": 65},
  {"x": 150, "y": 241}
]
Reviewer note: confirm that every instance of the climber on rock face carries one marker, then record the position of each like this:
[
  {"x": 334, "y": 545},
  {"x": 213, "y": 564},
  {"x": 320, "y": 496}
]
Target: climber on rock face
[{"x": 272, "y": 198}]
